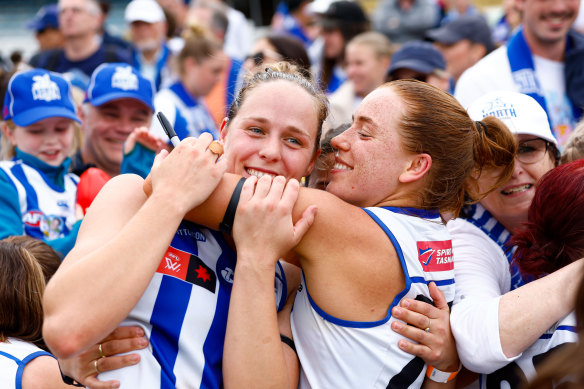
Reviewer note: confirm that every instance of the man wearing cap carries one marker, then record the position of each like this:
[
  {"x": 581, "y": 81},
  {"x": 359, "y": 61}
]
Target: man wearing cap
[
  {"x": 46, "y": 27},
  {"x": 83, "y": 51},
  {"x": 544, "y": 59},
  {"x": 421, "y": 61},
  {"x": 148, "y": 34},
  {"x": 118, "y": 100},
  {"x": 462, "y": 42}
]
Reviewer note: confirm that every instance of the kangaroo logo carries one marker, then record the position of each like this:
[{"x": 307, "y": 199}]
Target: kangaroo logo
[
  {"x": 45, "y": 89},
  {"x": 124, "y": 79}
]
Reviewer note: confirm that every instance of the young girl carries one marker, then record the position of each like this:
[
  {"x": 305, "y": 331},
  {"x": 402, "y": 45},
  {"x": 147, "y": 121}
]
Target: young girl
[{"x": 37, "y": 194}]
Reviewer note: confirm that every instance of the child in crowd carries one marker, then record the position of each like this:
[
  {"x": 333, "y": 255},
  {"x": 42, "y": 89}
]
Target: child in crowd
[{"x": 37, "y": 194}]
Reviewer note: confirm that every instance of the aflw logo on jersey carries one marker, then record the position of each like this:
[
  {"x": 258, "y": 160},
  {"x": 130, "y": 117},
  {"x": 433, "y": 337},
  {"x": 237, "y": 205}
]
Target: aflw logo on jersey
[
  {"x": 45, "y": 89},
  {"x": 435, "y": 256},
  {"x": 187, "y": 267}
]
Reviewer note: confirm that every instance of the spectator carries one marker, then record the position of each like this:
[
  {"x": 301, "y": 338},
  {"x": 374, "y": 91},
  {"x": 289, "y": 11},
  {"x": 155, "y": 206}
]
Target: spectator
[
  {"x": 574, "y": 148},
  {"x": 278, "y": 47},
  {"x": 148, "y": 35},
  {"x": 462, "y": 42},
  {"x": 46, "y": 27},
  {"x": 405, "y": 20},
  {"x": 118, "y": 100},
  {"x": 536, "y": 62},
  {"x": 83, "y": 51},
  {"x": 420, "y": 61},
  {"x": 458, "y": 8}
]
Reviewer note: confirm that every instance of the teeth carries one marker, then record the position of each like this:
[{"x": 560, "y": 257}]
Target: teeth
[
  {"x": 517, "y": 189},
  {"x": 341, "y": 166},
  {"x": 258, "y": 174}
]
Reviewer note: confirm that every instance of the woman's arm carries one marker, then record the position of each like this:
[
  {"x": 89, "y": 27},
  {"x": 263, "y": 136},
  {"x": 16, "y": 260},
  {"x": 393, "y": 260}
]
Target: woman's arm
[
  {"x": 263, "y": 231},
  {"x": 121, "y": 242}
]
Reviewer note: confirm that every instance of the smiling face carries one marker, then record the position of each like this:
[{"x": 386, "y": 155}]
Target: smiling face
[
  {"x": 364, "y": 68},
  {"x": 371, "y": 159},
  {"x": 510, "y": 202},
  {"x": 49, "y": 139},
  {"x": 547, "y": 21},
  {"x": 106, "y": 128},
  {"x": 274, "y": 132}
]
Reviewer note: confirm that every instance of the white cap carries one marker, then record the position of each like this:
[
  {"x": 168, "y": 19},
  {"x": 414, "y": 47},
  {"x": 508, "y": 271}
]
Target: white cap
[
  {"x": 521, "y": 113},
  {"x": 144, "y": 11}
]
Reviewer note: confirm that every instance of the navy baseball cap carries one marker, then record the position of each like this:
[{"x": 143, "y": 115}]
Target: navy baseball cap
[
  {"x": 341, "y": 13},
  {"x": 113, "y": 81},
  {"x": 38, "y": 94},
  {"x": 471, "y": 27},
  {"x": 46, "y": 17},
  {"x": 420, "y": 56}
]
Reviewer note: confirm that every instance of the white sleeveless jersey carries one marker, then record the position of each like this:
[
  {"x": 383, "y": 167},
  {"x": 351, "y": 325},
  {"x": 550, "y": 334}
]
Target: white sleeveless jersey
[
  {"x": 14, "y": 355},
  {"x": 184, "y": 314},
  {"x": 518, "y": 372},
  {"x": 47, "y": 212},
  {"x": 337, "y": 353}
]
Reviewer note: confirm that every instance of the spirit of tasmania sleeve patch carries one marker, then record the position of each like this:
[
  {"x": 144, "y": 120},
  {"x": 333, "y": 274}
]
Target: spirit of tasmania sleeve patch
[
  {"x": 187, "y": 267},
  {"x": 436, "y": 255}
]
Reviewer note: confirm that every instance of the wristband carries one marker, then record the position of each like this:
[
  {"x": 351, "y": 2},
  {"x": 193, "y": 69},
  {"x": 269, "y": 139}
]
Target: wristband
[
  {"x": 289, "y": 342},
  {"x": 227, "y": 223},
  {"x": 441, "y": 376}
]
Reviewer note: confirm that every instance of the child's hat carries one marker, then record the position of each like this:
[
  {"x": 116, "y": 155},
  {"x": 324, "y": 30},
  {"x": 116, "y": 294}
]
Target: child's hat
[
  {"x": 521, "y": 113},
  {"x": 113, "y": 81},
  {"x": 38, "y": 94}
]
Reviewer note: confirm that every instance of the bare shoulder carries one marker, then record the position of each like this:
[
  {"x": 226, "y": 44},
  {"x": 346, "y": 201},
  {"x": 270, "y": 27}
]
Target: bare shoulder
[
  {"x": 42, "y": 373},
  {"x": 114, "y": 206}
]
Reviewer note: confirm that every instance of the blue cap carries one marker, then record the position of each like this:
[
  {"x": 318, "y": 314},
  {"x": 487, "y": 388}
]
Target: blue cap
[
  {"x": 46, "y": 17},
  {"x": 38, "y": 94},
  {"x": 113, "y": 81},
  {"x": 420, "y": 56}
]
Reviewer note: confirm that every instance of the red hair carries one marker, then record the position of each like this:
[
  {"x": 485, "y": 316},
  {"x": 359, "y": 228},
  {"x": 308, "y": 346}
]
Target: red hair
[{"x": 553, "y": 236}]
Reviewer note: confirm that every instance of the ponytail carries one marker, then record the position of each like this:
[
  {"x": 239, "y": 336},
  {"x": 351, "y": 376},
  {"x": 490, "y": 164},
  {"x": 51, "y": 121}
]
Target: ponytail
[{"x": 199, "y": 44}]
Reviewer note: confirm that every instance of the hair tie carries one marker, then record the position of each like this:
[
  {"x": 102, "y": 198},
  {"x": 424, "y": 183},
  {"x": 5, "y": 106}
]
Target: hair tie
[{"x": 481, "y": 127}]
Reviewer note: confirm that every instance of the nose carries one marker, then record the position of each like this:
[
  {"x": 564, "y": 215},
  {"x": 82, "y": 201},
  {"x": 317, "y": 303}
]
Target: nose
[
  {"x": 517, "y": 169},
  {"x": 340, "y": 142},
  {"x": 271, "y": 149}
]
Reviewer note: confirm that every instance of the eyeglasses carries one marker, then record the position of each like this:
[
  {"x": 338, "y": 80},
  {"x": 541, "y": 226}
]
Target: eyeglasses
[{"x": 532, "y": 150}]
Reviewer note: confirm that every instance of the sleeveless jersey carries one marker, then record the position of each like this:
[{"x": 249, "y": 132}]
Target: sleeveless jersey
[
  {"x": 48, "y": 212},
  {"x": 184, "y": 314},
  {"x": 336, "y": 353},
  {"x": 517, "y": 373},
  {"x": 14, "y": 355}
]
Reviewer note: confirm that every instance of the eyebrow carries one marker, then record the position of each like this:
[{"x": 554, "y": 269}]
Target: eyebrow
[
  {"x": 365, "y": 119},
  {"x": 293, "y": 129}
]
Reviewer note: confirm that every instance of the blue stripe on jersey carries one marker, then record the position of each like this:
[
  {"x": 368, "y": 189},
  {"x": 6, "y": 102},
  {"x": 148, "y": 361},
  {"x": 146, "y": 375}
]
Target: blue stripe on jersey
[
  {"x": 281, "y": 275},
  {"x": 26, "y": 360},
  {"x": 422, "y": 280},
  {"x": 410, "y": 211},
  {"x": 213, "y": 346},
  {"x": 560, "y": 328},
  {"x": 32, "y": 201},
  {"x": 168, "y": 316},
  {"x": 167, "y": 319}
]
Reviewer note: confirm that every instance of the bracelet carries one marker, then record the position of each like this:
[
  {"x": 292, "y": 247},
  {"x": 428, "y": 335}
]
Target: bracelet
[
  {"x": 227, "y": 224},
  {"x": 441, "y": 376},
  {"x": 289, "y": 342}
]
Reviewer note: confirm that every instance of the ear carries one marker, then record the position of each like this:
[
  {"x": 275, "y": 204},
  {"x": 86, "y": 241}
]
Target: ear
[
  {"x": 417, "y": 168},
  {"x": 223, "y": 130},
  {"x": 310, "y": 167},
  {"x": 9, "y": 134},
  {"x": 477, "y": 51}
]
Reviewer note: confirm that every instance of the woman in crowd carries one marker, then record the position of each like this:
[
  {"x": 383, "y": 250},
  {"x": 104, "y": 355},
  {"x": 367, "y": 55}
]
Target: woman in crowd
[
  {"x": 367, "y": 59},
  {"x": 37, "y": 194},
  {"x": 200, "y": 65},
  {"x": 273, "y": 48},
  {"x": 380, "y": 240},
  {"x": 175, "y": 276}
]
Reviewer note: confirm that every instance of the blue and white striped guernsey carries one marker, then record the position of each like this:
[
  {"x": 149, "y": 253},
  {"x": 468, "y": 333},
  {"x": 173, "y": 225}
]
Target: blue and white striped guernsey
[
  {"x": 14, "y": 355},
  {"x": 184, "y": 314},
  {"x": 336, "y": 353}
]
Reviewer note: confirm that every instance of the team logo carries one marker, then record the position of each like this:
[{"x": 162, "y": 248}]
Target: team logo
[
  {"x": 227, "y": 274},
  {"x": 124, "y": 79},
  {"x": 188, "y": 267},
  {"x": 33, "y": 218},
  {"x": 436, "y": 255},
  {"x": 525, "y": 79},
  {"x": 499, "y": 109},
  {"x": 45, "y": 89}
]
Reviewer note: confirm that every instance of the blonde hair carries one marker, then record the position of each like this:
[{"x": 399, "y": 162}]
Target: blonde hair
[
  {"x": 199, "y": 44},
  {"x": 574, "y": 148},
  {"x": 379, "y": 43}
]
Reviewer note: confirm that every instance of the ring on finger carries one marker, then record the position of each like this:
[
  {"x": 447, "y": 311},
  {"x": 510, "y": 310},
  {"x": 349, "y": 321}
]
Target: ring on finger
[
  {"x": 216, "y": 148},
  {"x": 427, "y": 329},
  {"x": 101, "y": 354},
  {"x": 95, "y": 366}
]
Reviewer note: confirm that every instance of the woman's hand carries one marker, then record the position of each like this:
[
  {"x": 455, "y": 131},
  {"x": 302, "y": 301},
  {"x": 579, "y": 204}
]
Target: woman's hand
[
  {"x": 263, "y": 226},
  {"x": 85, "y": 367},
  {"x": 187, "y": 176},
  {"x": 430, "y": 328}
]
